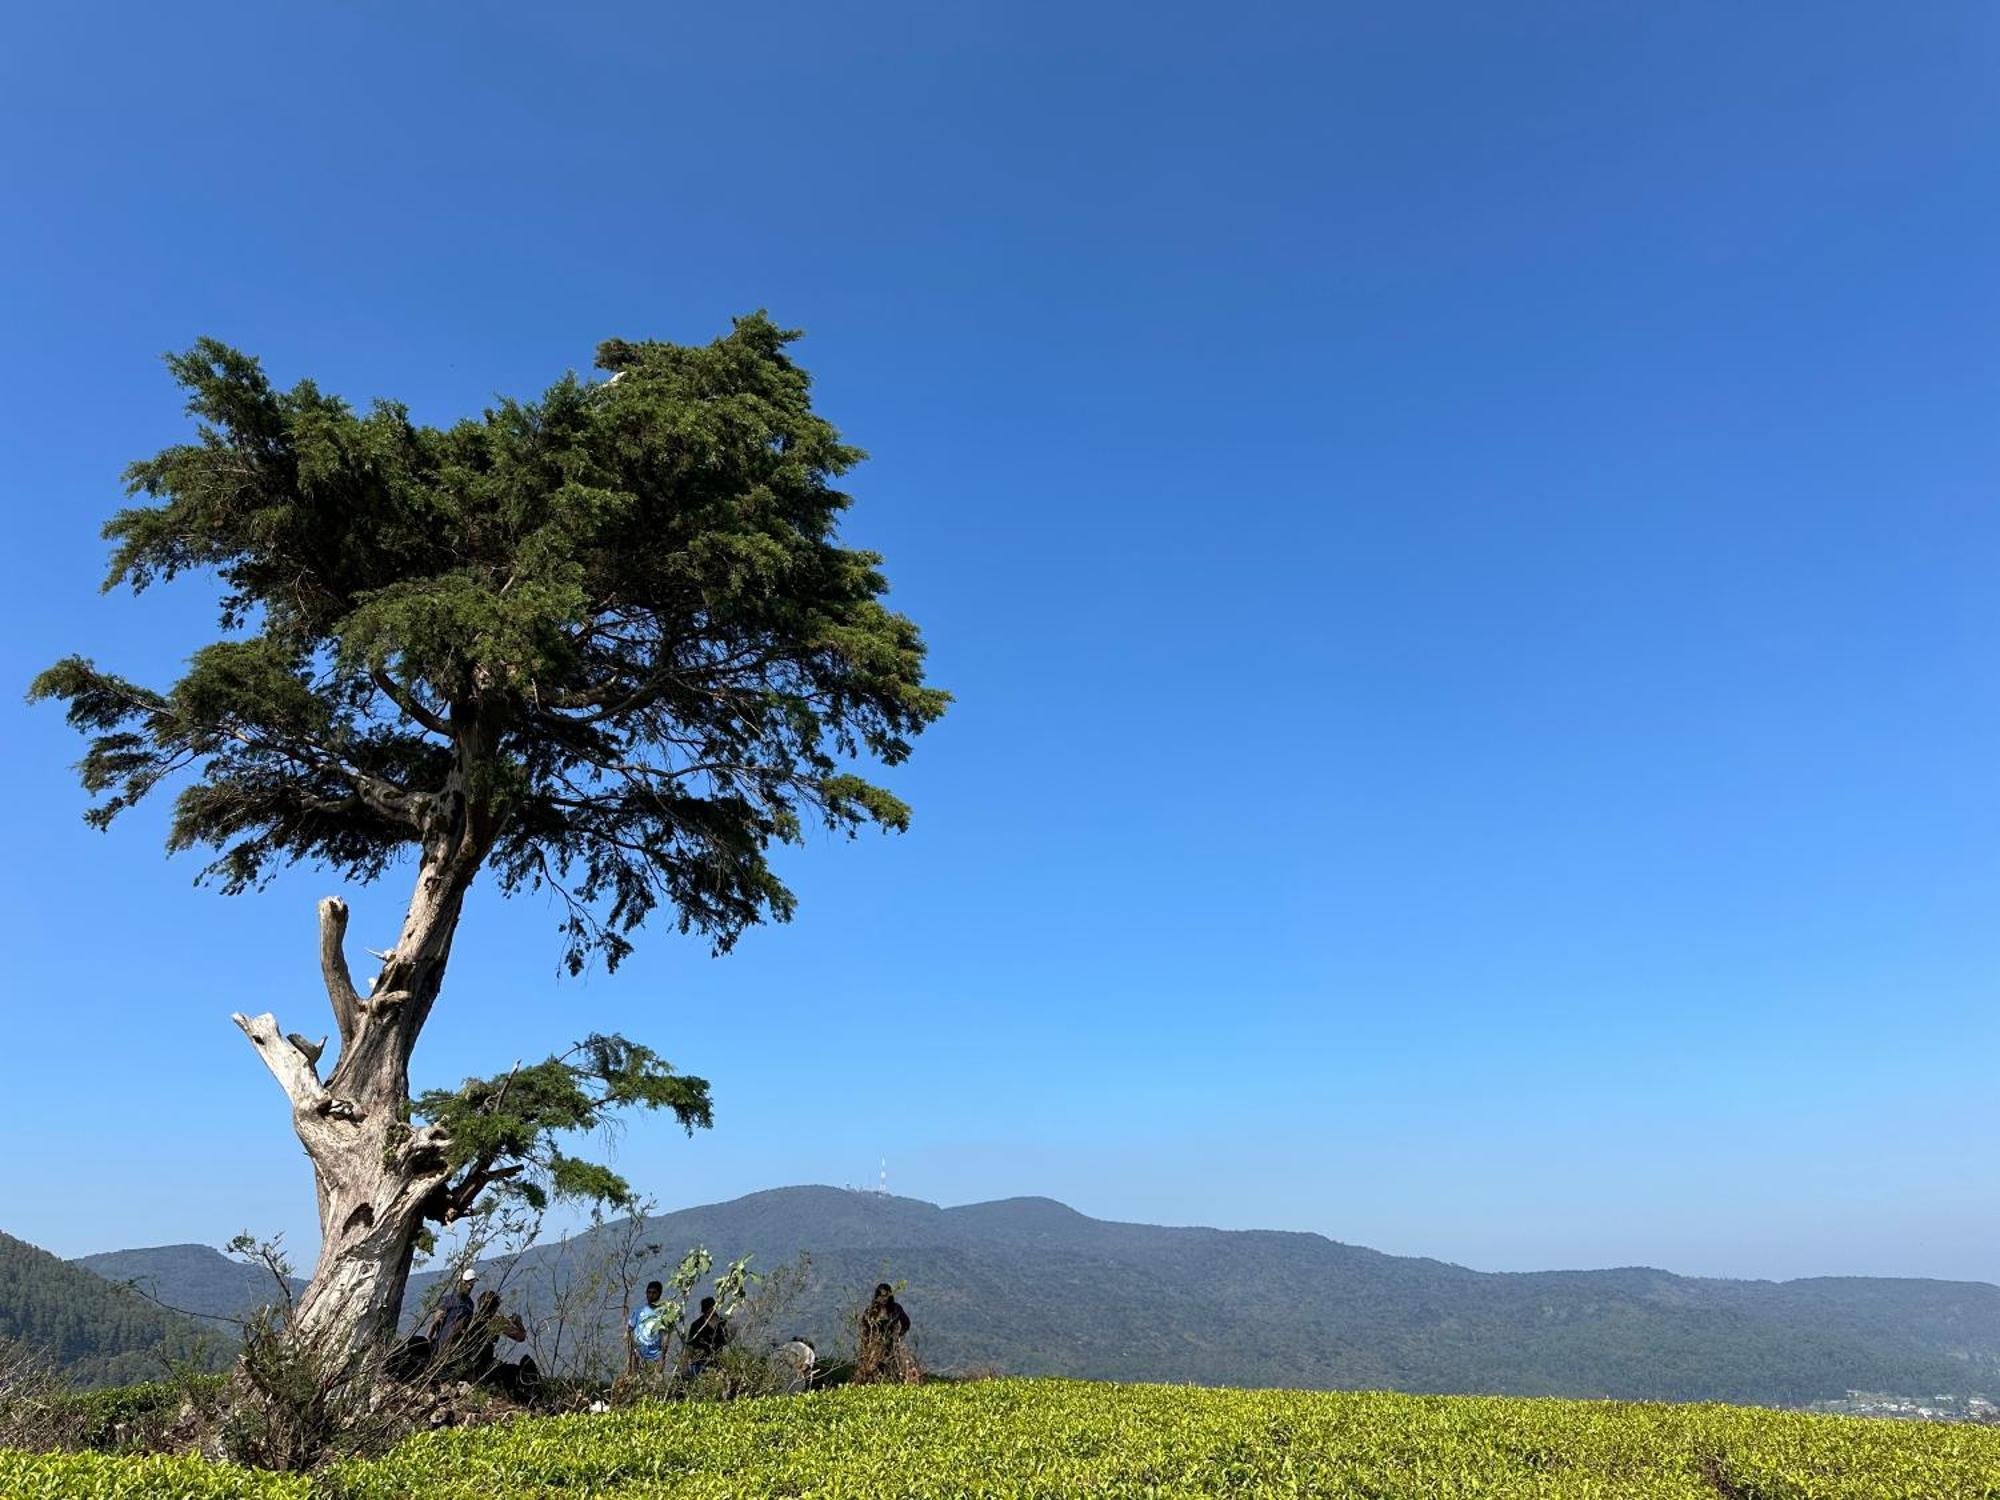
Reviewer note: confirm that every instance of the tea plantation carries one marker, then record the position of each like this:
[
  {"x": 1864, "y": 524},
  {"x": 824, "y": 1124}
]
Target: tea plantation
[{"x": 1017, "y": 1438}]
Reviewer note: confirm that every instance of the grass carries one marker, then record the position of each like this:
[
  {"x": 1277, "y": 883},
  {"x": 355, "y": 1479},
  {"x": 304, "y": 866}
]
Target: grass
[{"x": 1020, "y": 1438}]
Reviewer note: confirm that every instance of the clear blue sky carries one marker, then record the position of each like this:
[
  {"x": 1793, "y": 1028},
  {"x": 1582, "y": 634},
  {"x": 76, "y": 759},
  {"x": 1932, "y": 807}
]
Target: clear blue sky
[{"x": 1464, "y": 537}]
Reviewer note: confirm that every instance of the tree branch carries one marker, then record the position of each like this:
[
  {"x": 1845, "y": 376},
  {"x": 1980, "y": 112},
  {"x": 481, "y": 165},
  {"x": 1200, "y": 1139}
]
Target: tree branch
[
  {"x": 459, "y": 1201},
  {"x": 385, "y": 798},
  {"x": 408, "y": 702},
  {"x": 340, "y": 992},
  {"x": 287, "y": 1064}
]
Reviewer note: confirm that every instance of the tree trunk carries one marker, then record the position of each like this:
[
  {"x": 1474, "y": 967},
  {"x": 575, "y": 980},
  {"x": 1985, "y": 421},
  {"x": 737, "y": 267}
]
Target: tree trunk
[
  {"x": 371, "y": 1193},
  {"x": 378, "y": 1176}
]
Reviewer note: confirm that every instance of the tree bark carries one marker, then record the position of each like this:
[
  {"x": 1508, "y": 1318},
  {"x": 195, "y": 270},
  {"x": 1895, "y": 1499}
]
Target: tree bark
[{"x": 378, "y": 1176}]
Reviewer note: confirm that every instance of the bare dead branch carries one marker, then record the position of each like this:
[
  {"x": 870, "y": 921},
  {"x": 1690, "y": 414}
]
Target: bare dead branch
[
  {"x": 287, "y": 1064},
  {"x": 340, "y": 992}
]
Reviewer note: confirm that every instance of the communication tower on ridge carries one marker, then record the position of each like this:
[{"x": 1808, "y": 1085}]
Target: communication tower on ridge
[{"x": 881, "y": 1188}]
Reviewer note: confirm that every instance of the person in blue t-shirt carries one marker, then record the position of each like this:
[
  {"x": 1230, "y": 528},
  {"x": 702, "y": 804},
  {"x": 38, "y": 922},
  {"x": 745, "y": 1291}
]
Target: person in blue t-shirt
[{"x": 646, "y": 1331}]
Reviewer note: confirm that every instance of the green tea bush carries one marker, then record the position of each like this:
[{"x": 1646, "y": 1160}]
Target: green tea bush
[
  {"x": 1014, "y": 1439},
  {"x": 102, "y": 1476},
  {"x": 133, "y": 1416},
  {"x": 1017, "y": 1438}
]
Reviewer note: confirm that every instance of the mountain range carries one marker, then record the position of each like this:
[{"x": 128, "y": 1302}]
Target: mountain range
[
  {"x": 193, "y": 1281},
  {"x": 98, "y": 1333},
  {"x": 1029, "y": 1286}
]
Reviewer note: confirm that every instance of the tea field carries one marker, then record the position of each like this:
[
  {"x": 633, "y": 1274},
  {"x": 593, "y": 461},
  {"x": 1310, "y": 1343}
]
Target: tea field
[{"x": 1019, "y": 1438}]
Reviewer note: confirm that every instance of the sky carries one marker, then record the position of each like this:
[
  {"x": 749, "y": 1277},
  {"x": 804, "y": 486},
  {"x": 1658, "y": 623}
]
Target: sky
[{"x": 1463, "y": 538}]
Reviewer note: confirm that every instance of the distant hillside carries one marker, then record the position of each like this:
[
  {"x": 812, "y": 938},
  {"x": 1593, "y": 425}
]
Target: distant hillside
[
  {"x": 192, "y": 1279},
  {"x": 99, "y": 1333},
  {"x": 1030, "y": 1286}
]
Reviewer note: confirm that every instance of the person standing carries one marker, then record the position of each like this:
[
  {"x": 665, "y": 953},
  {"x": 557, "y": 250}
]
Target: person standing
[
  {"x": 707, "y": 1336},
  {"x": 646, "y": 1333},
  {"x": 885, "y": 1356}
]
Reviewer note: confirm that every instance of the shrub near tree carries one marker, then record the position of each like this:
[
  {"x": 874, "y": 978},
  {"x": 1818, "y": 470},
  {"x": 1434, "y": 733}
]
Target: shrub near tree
[{"x": 606, "y": 644}]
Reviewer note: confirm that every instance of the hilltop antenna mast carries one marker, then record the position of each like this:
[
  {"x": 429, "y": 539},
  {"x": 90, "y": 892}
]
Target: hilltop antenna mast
[{"x": 883, "y": 1188}]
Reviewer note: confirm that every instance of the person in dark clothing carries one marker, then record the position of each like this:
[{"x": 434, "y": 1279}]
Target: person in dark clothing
[
  {"x": 706, "y": 1337},
  {"x": 488, "y": 1327},
  {"x": 453, "y": 1313},
  {"x": 445, "y": 1345},
  {"x": 885, "y": 1357},
  {"x": 480, "y": 1359},
  {"x": 411, "y": 1359},
  {"x": 889, "y": 1310}
]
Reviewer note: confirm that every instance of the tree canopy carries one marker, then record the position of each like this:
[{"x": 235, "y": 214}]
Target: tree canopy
[
  {"x": 611, "y": 634},
  {"x": 606, "y": 643},
  {"x": 504, "y": 1132}
]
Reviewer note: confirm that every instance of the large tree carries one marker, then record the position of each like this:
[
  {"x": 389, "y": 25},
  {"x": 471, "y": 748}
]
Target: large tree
[{"x": 606, "y": 643}]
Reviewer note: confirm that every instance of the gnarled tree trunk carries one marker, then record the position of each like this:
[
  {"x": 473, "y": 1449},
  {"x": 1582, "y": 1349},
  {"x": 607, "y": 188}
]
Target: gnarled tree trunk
[{"x": 378, "y": 1176}]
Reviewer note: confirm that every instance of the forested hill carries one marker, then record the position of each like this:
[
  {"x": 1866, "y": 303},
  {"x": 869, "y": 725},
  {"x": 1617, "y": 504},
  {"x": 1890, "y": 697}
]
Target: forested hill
[
  {"x": 1029, "y": 1286},
  {"x": 202, "y": 1283},
  {"x": 98, "y": 1332}
]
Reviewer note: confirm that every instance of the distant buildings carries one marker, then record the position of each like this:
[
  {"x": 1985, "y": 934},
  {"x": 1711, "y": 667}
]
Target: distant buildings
[{"x": 1912, "y": 1408}]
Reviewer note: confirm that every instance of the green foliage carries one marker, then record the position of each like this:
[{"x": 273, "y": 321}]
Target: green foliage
[
  {"x": 759, "y": 1307},
  {"x": 131, "y": 1416},
  {"x": 94, "y": 1331},
  {"x": 297, "y": 1404},
  {"x": 510, "y": 1124},
  {"x": 1062, "y": 1438},
  {"x": 607, "y": 638},
  {"x": 98, "y": 1476},
  {"x": 1059, "y": 1439},
  {"x": 680, "y": 1285}
]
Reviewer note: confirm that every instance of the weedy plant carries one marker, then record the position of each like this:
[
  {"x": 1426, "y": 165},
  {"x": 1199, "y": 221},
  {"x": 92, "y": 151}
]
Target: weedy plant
[{"x": 33, "y": 1412}]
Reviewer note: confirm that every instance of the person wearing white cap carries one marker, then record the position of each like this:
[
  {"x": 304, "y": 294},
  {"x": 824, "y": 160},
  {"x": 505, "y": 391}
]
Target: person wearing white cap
[{"x": 454, "y": 1312}]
